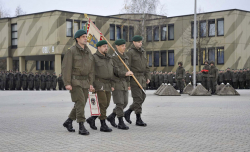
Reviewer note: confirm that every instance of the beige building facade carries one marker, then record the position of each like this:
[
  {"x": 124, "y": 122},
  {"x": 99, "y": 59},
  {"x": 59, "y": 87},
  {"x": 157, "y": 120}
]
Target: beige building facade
[{"x": 37, "y": 42}]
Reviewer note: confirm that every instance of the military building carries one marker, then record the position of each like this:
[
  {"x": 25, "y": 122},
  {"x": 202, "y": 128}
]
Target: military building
[{"x": 37, "y": 42}]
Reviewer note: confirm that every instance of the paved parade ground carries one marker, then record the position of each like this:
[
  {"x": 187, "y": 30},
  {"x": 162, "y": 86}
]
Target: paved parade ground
[{"x": 32, "y": 121}]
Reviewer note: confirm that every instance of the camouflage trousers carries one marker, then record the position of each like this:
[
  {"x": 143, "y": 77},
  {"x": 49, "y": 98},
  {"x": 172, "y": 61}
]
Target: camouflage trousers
[
  {"x": 120, "y": 98},
  {"x": 79, "y": 97},
  {"x": 104, "y": 100},
  {"x": 138, "y": 99}
]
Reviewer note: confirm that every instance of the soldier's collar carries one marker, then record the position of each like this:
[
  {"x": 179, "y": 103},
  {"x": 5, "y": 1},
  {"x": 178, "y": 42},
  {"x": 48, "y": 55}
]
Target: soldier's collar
[
  {"x": 102, "y": 56},
  {"x": 80, "y": 48},
  {"x": 124, "y": 56},
  {"x": 140, "y": 49}
]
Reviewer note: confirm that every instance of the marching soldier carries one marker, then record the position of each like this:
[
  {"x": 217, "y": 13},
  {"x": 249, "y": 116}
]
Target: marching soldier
[
  {"x": 180, "y": 74},
  {"x": 54, "y": 81},
  {"x": 102, "y": 84},
  {"x": 213, "y": 75},
  {"x": 121, "y": 85},
  {"x": 3, "y": 80},
  {"x": 138, "y": 65},
  {"x": 37, "y": 81},
  {"x": 205, "y": 78},
  {"x": 48, "y": 80},
  {"x": 60, "y": 82},
  {"x": 78, "y": 75},
  {"x": 244, "y": 73}
]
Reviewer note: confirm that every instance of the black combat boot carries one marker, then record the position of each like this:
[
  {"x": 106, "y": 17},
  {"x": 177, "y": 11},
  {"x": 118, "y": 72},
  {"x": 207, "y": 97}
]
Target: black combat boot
[
  {"x": 104, "y": 126},
  {"x": 91, "y": 122},
  {"x": 111, "y": 119},
  {"x": 139, "y": 122},
  {"x": 121, "y": 124},
  {"x": 82, "y": 129},
  {"x": 68, "y": 124},
  {"x": 127, "y": 115},
  {"x": 181, "y": 91}
]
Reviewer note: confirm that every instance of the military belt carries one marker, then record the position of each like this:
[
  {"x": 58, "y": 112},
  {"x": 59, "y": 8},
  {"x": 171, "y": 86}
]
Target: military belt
[
  {"x": 139, "y": 74},
  {"x": 102, "y": 80},
  {"x": 80, "y": 77}
]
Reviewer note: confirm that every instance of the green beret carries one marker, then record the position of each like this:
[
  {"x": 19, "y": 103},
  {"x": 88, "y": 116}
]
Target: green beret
[
  {"x": 120, "y": 42},
  {"x": 80, "y": 33},
  {"x": 100, "y": 43},
  {"x": 137, "y": 38}
]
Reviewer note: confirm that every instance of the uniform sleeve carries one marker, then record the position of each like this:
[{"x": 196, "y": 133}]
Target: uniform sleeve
[
  {"x": 129, "y": 58},
  {"x": 92, "y": 72},
  {"x": 147, "y": 73},
  {"x": 183, "y": 73},
  {"x": 67, "y": 68}
]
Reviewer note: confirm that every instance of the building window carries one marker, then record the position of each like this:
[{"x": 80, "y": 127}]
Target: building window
[
  {"x": 211, "y": 54},
  {"x": 156, "y": 33},
  {"x": 156, "y": 58},
  {"x": 125, "y": 33},
  {"x": 131, "y": 33},
  {"x": 220, "y": 27},
  {"x": 14, "y": 35},
  {"x": 42, "y": 65},
  {"x": 46, "y": 65},
  {"x": 69, "y": 32},
  {"x": 163, "y": 58},
  {"x": 38, "y": 65},
  {"x": 76, "y": 25},
  {"x": 52, "y": 65},
  {"x": 84, "y": 25},
  {"x": 112, "y": 32},
  {"x": 192, "y": 56},
  {"x": 171, "y": 57},
  {"x": 203, "y": 28},
  {"x": 171, "y": 32},
  {"x": 149, "y": 33},
  {"x": 211, "y": 28},
  {"x": 150, "y": 59},
  {"x": 203, "y": 55},
  {"x": 118, "y": 32},
  {"x": 220, "y": 55},
  {"x": 192, "y": 29},
  {"x": 163, "y": 33}
]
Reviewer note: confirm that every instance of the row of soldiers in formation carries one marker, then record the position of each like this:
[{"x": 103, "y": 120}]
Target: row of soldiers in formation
[
  {"x": 239, "y": 79},
  {"x": 15, "y": 80}
]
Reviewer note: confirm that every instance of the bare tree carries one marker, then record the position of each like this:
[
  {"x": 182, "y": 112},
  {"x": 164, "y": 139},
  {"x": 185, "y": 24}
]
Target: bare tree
[
  {"x": 144, "y": 10},
  {"x": 3, "y": 11},
  {"x": 201, "y": 38},
  {"x": 19, "y": 11}
]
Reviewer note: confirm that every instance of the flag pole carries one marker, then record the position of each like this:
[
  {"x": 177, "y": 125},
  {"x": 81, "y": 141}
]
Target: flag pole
[
  {"x": 138, "y": 83},
  {"x": 194, "y": 57}
]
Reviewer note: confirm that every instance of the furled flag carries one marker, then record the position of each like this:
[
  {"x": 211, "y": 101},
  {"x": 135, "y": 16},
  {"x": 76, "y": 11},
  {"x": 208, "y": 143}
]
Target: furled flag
[{"x": 93, "y": 36}]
